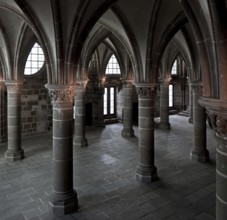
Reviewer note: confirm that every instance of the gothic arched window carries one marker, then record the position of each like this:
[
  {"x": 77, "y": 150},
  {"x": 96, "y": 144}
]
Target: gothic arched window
[
  {"x": 113, "y": 66},
  {"x": 174, "y": 68},
  {"x": 35, "y": 60}
]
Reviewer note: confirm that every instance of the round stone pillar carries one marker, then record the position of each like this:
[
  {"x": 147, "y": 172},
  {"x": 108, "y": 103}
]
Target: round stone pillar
[
  {"x": 217, "y": 110},
  {"x": 146, "y": 170},
  {"x": 14, "y": 150},
  {"x": 79, "y": 116},
  {"x": 127, "y": 109},
  {"x": 164, "y": 106},
  {"x": 199, "y": 151},
  {"x": 64, "y": 197},
  {"x": 221, "y": 174}
]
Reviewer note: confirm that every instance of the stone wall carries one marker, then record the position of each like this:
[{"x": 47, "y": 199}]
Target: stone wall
[
  {"x": 181, "y": 98},
  {"x": 119, "y": 106},
  {"x": 36, "y": 108}
]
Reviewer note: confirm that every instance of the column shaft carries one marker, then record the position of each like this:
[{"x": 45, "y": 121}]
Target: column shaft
[
  {"x": 217, "y": 110},
  {"x": 127, "y": 115},
  {"x": 164, "y": 107},
  {"x": 64, "y": 197},
  {"x": 146, "y": 170},
  {"x": 199, "y": 151},
  {"x": 221, "y": 178},
  {"x": 79, "y": 117},
  {"x": 14, "y": 151}
]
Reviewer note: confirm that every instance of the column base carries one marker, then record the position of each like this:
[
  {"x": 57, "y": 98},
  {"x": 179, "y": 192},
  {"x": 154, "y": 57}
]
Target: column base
[
  {"x": 146, "y": 174},
  {"x": 200, "y": 156},
  {"x": 80, "y": 142},
  {"x": 190, "y": 120},
  {"x": 127, "y": 133},
  {"x": 100, "y": 124},
  {"x": 64, "y": 206},
  {"x": 164, "y": 125},
  {"x": 13, "y": 155},
  {"x": 3, "y": 140},
  {"x": 221, "y": 208}
]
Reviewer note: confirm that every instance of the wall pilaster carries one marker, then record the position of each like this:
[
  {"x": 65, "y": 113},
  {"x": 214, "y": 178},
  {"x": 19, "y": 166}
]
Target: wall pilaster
[
  {"x": 3, "y": 116},
  {"x": 98, "y": 104},
  {"x": 127, "y": 109},
  {"x": 164, "y": 105},
  {"x": 79, "y": 115}
]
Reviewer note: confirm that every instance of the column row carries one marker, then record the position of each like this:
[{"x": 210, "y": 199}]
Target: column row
[
  {"x": 64, "y": 197},
  {"x": 146, "y": 169}
]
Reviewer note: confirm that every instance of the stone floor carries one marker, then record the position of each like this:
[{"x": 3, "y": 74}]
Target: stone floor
[{"x": 104, "y": 177}]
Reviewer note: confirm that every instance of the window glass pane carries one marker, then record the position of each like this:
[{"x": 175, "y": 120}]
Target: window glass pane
[
  {"x": 35, "y": 60},
  {"x": 170, "y": 95},
  {"x": 174, "y": 68},
  {"x": 111, "y": 109},
  {"x": 105, "y": 102},
  {"x": 112, "y": 100},
  {"x": 41, "y": 58},
  {"x": 113, "y": 66}
]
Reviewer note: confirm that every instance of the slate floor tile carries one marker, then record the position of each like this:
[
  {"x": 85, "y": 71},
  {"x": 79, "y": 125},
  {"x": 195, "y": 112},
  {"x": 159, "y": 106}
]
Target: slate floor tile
[{"x": 104, "y": 177}]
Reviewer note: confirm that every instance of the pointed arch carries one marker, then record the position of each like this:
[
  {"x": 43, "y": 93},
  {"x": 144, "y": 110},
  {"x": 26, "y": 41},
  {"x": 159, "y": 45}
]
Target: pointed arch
[
  {"x": 76, "y": 41},
  {"x": 33, "y": 22},
  {"x": 174, "y": 26},
  {"x": 201, "y": 31}
]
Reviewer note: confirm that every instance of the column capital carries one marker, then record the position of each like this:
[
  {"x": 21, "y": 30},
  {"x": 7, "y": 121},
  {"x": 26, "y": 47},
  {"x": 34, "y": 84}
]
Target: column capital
[
  {"x": 2, "y": 83},
  {"x": 196, "y": 87},
  {"x": 99, "y": 85},
  {"x": 127, "y": 83},
  {"x": 146, "y": 89},
  {"x": 13, "y": 85},
  {"x": 217, "y": 111},
  {"x": 81, "y": 84},
  {"x": 61, "y": 92},
  {"x": 165, "y": 81},
  {"x": 101, "y": 81}
]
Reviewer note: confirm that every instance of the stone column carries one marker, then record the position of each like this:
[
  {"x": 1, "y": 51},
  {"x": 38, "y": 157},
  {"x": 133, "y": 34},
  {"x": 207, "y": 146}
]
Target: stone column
[
  {"x": 146, "y": 170},
  {"x": 14, "y": 151},
  {"x": 199, "y": 151},
  {"x": 79, "y": 116},
  {"x": 98, "y": 104},
  {"x": 217, "y": 111},
  {"x": 3, "y": 117},
  {"x": 164, "y": 106},
  {"x": 190, "y": 120},
  {"x": 127, "y": 109},
  {"x": 64, "y": 197},
  {"x": 221, "y": 169}
]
